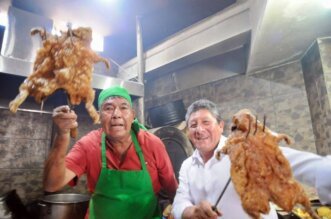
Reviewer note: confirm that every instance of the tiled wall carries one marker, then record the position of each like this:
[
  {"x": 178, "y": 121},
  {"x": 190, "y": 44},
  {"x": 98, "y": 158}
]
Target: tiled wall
[
  {"x": 25, "y": 140},
  {"x": 278, "y": 93},
  {"x": 317, "y": 74}
]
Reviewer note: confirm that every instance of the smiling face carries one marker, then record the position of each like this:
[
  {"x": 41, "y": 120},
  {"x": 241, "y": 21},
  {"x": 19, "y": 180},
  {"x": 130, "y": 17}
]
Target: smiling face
[
  {"x": 204, "y": 132},
  {"x": 116, "y": 117}
]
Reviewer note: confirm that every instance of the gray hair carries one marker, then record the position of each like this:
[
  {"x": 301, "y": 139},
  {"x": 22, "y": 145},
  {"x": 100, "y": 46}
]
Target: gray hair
[{"x": 204, "y": 104}]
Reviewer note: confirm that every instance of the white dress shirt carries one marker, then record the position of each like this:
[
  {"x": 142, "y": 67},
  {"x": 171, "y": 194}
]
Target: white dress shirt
[{"x": 199, "y": 181}]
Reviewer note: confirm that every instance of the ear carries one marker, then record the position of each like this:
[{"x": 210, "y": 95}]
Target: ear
[
  {"x": 221, "y": 124},
  {"x": 133, "y": 113}
]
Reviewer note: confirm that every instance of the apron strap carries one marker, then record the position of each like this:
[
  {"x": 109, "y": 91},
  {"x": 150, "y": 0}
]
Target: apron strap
[
  {"x": 103, "y": 150},
  {"x": 138, "y": 150}
]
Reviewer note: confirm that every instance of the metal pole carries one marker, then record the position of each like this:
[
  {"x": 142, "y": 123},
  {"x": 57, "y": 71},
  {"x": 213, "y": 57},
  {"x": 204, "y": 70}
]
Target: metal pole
[{"x": 141, "y": 68}]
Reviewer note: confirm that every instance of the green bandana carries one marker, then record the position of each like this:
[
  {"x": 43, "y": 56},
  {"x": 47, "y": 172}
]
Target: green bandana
[
  {"x": 136, "y": 126},
  {"x": 114, "y": 91}
]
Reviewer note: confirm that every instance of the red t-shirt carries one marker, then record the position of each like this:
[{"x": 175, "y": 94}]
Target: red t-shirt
[{"x": 85, "y": 157}]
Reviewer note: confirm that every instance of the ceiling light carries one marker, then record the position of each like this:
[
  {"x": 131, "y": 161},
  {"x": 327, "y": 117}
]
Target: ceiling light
[
  {"x": 3, "y": 18},
  {"x": 110, "y": 1},
  {"x": 97, "y": 42},
  {"x": 326, "y": 3}
]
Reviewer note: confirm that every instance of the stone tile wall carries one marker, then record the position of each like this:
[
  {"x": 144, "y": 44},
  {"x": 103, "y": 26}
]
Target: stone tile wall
[
  {"x": 25, "y": 140},
  {"x": 279, "y": 93}
]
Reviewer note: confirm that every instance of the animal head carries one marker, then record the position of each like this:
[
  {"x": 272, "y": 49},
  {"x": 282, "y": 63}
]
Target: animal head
[
  {"x": 83, "y": 33},
  {"x": 244, "y": 121}
]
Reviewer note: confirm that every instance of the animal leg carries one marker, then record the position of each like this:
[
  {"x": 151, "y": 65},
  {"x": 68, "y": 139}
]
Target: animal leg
[
  {"x": 304, "y": 201},
  {"x": 97, "y": 58},
  {"x": 106, "y": 62},
  {"x": 19, "y": 99},
  {"x": 90, "y": 107},
  {"x": 41, "y": 31},
  {"x": 284, "y": 137}
]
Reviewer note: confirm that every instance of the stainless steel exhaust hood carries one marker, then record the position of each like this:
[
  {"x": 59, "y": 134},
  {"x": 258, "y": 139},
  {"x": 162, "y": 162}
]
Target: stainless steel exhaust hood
[{"x": 19, "y": 49}]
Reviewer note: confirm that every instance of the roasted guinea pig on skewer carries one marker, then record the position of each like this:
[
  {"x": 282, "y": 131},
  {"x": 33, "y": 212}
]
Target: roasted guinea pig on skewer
[
  {"x": 259, "y": 171},
  {"x": 63, "y": 62}
]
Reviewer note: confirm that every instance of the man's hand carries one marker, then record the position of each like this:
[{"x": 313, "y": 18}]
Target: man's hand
[
  {"x": 56, "y": 175},
  {"x": 65, "y": 119},
  {"x": 201, "y": 211}
]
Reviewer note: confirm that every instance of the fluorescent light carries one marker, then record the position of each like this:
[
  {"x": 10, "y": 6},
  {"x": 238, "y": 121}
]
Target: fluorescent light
[
  {"x": 3, "y": 19},
  {"x": 97, "y": 42},
  {"x": 110, "y": 1}
]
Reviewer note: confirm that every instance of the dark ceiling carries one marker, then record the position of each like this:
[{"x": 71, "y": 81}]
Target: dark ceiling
[{"x": 159, "y": 18}]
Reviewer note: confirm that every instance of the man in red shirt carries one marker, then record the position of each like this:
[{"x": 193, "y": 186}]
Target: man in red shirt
[{"x": 125, "y": 165}]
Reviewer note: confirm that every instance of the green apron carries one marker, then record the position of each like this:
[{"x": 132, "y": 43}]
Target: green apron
[{"x": 124, "y": 194}]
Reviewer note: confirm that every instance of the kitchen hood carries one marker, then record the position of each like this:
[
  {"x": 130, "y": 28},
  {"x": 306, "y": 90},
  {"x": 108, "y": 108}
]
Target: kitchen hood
[
  {"x": 19, "y": 48},
  {"x": 221, "y": 33}
]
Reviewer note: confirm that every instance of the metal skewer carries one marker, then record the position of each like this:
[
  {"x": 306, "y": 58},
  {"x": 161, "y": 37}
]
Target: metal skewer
[
  {"x": 28, "y": 110},
  {"x": 74, "y": 131},
  {"x": 219, "y": 198},
  {"x": 69, "y": 26}
]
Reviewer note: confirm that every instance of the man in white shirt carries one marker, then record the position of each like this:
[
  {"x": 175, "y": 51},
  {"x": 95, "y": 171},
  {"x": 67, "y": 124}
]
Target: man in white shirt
[{"x": 202, "y": 177}]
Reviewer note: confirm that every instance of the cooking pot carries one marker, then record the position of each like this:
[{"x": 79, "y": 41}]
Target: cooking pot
[{"x": 64, "y": 206}]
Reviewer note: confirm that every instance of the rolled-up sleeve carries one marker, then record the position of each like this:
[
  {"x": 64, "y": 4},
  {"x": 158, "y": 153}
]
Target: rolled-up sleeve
[
  {"x": 182, "y": 199},
  {"x": 311, "y": 169}
]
